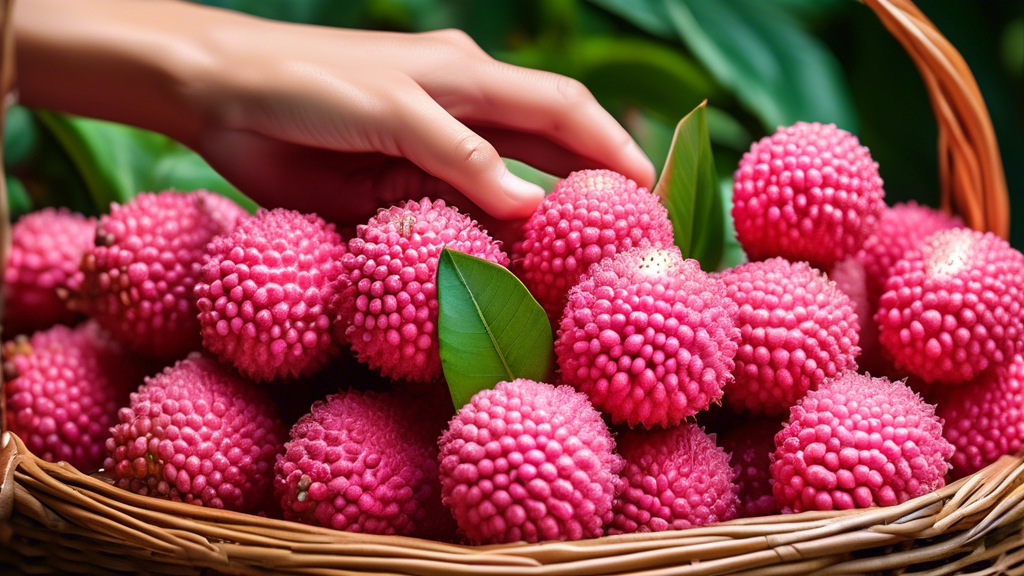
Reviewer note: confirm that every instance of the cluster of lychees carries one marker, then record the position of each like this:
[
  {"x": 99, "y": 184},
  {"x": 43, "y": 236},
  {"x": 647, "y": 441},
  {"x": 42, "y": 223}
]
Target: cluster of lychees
[{"x": 237, "y": 319}]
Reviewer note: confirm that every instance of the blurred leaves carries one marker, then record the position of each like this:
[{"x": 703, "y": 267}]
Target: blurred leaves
[
  {"x": 18, "y": 200},
  {"x": 21, "y": 135}
]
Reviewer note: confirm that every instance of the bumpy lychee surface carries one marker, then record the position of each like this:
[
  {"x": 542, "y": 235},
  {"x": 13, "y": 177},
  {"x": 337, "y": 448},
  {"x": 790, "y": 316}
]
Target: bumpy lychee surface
[
  {"x": 529, "y": 461},
  {"x": 64, "y": 387},
  {"x": 197, "y": 433},
  {"x": 269, "y": 292},
  {"x": 796, "y": 329},
  {"x": 46, "y": 248},
  {"x": 954, "y": 307},
  {"x": 902, "y": 227},
  {"x": 855, "y": 442},
  {"x": 984, "y": 419},
  {"x": 649, "y": 337},
  {"x": 137, "y": 280},
  {"x": 750, "y": 445},
  {"x": 673, "y": 479},
  {"x": 363, "y": 462},
  {"x": 807, "y": 192},
  {"x": 851, "y": 278},
  {"x": 591, "y": 215},
  {"x": 224, "y": 209},
  {"x": 391, "y": 301}
]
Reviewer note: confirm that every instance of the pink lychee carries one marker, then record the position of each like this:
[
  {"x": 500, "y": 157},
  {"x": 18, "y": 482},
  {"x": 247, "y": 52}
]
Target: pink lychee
[
  {"x": 851, "y": 278},
  {"x": 528, "y": 461},
  {"x": 390, "y": 304},
  {"x": 673, "y": 479},
  {"x": 46, "y": 248},
  {"x": 750, "y": 445},
  {"x": 984, "y": 419},
  {"x": 797, "y": 329},
  {"x": 855, "y": 442},
  {"x": 63, "y": 388},
  {"x": 954, "y": 307},
  {"x": 649, "y": 337},
  {"x": 807, "y": 192},
  {"x": 363, "y": 462},
  {"x": 197, "y": 433},
  {"x": 591, "y": 215},
  {"x": 269, "y": 292}
]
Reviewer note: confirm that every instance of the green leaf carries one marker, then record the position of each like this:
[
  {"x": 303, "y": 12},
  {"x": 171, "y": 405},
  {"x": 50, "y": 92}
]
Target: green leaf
[
  {"x": 732, "y": 251},
  {"x": 186, "y": 170},
  {"x": 18, "y": 201},
  {"x": 689, "y": 186},
  {"x": 489, "y": 326},
  {"x": 648, "y": 15},
  {"x": 531, "y": 174},
  {"x": 21, "y": 135}
]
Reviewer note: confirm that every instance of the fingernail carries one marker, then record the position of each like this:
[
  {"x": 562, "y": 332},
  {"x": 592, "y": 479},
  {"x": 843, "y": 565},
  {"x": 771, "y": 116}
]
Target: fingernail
[{"x": 521, "y": 191}]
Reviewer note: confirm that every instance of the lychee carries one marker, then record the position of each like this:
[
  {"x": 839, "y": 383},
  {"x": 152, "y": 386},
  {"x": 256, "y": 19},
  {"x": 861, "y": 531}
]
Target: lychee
[
  {"x": 750, "y": 445},
  {"x": 807, "y": 192},
  {"x": 649, "y": 337},
  {"x": 269, "y": 292},
  {"x": 390, "y": 304},
  {"x": 855, "y": 442},
  {"x": 984, "y": 419},
  {"x": 46, "y": 248},
  {"x": 528, "y": 461},
  {"x": 363, "y": 462},
  {"x": 797, "y": 329},
  {"x": 954, "y": 306},
  {"x": 137, "y": 280},
  {"x": 900, "y": 228},
  {"x": 851, "y": 279},
  {"x": 197, "y": 433},
  {"x": 63, "y": 388},
  {"x": 673, "y": 479},
  {"x": 591, "y": 215}
]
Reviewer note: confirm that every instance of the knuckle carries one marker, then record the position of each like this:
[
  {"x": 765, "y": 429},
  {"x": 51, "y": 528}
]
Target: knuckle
[
  {"x": 571, "y": 90},
  {"x": 459, "y": 40},
  {"x": 475, "y": 152}
]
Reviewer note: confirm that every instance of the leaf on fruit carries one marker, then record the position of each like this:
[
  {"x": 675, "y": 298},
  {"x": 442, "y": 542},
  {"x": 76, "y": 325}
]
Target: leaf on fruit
[
  {"x": 490, "y": 327},
  {"x": 689, "y": 188}
]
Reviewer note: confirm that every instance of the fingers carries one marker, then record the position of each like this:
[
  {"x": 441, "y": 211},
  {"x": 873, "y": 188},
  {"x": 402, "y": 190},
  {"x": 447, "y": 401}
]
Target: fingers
[
  {"x": 427, "y": 134},
  {"x": 556, "y": 107},
  {"x": 537, "y": 151}
]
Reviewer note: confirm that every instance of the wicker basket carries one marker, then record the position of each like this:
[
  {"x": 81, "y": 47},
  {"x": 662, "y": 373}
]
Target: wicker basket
[{"x": 56, "y": 519}]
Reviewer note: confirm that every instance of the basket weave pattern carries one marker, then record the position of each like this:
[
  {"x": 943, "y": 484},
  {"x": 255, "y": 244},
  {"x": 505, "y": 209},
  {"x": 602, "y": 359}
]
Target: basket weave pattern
[{"x": 54, "y": 519}]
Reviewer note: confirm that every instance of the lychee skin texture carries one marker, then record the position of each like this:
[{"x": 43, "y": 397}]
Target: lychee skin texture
[
  {"x": 197, "y": 433},
  {"x": 807, "y": 192},
  {"x": 797, "y": 329},
  {"x": 269, "y": 292},
  {"x": 64, "y": 387},
  {"x": 391, "y": 302},
  {"x": 137, "y": 280},
  {"x": 673, "y": 479},
  {"x": 954, "y": 307},
  {"x": 902, "y": 227},
  {"x": 855, "y": 442},
  {"x": 984, "y": 419},
  {"x": 46, "y": 248},
  {"x": 528, "y": 461},
  {"x": 591, "y": 215},
  {"x": 750, "y": 446},
  {"x": 649, "y": 337},
  {"x": 361, "y": 462}
]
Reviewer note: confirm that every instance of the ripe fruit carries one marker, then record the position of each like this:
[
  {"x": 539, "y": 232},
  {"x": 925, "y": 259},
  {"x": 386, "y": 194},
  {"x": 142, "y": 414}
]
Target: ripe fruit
[
  {"x": 528, "y": 461},
  {"x": 807, "y": 192},
  {"x": 649, "y": 337},
  {"x": 902, "y": 227},
  {"x": 363, "y": 462},
  {"x": 63, "y": 388},
  {"x": 750, "y": 445},
  {"x": 673, "y": 479},
  {"x": 200, "y": 434},
  {"x": 954, "y": 307},
  {"x": 46, "y": 247},
  {"x": 797, "y": 329},
  {"x": 851, "y": 279},
  {"x": 592, "y": 214},
  {"x": 391, "y": 301},
  {"x": 269, "y": 292},
  {"x": 855, "y": 442},
  {"x": 137, "y": 280},
  {"x": 984, "y": 419}
]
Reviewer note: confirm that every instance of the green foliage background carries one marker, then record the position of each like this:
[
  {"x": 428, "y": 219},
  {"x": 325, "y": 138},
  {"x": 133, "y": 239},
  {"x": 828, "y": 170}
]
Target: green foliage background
[{"x": 761, "y": 63}]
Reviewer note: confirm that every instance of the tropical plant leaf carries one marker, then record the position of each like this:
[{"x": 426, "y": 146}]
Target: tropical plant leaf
[
  {"x": 732, "y": 251},
  {"x": 531, "y": 174},
  {"x": 690, "y": 188},
  {"x": 489, "y": 326},
  {"x": 648, "y": 15},
  {"x": 18, "y": 201},
  {"x": 21, "y": 135},
  {"x": 185, "y": 170}
]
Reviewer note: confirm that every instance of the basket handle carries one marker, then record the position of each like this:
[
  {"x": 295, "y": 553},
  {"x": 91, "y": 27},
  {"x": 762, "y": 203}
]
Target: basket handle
[
  {"x": 970, "y": 168},
  {"x": 9, "y": 460}
]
